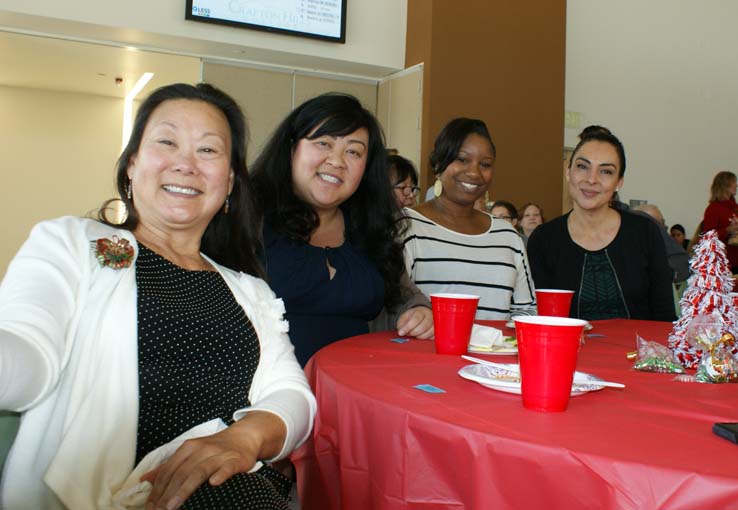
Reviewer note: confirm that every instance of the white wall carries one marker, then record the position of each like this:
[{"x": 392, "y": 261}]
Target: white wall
[
  {"x": 400, "y": 111},
  {"x": 662, "y": 74},
  {"x": 266, "y": 97},
  {"x": 58, "y": 152},
  {"x": 375, "y": 32}
]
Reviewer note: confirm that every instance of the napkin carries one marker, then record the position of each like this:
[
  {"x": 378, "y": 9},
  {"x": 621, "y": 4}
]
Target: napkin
[
  {"x": 132, "y": 495},
  {"x": 485, "y": 337}
]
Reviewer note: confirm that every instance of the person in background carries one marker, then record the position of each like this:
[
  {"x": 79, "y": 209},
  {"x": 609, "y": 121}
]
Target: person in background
[
  {"x": 653, "y": 212},
  {"x": 531, "y": 216},
  {"x": 504, "y": 210},
  {"x": 722, "y": 214},
  {"x": 116, "y": 338},
  {"x": 694, "y": 240},
  {"x": 405, "y": 188},
  {"x": 331, "y": 246},
  {"x": 614, "y": 261},
  {"x": 452, "y": 247},
  {"x": 482, "y": 203},
  {"x": 404, "y": 180},
  {"x": 679, "y": 235},
  {"x": 675, "y": 254}
]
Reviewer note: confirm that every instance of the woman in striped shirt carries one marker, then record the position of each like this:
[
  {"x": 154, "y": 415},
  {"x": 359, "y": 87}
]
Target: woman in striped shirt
[{"x": 452, "y": 247}]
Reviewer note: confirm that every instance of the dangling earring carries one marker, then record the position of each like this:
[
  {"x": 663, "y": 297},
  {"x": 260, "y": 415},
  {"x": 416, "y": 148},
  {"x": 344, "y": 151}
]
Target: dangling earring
[
  {"x": 227, "y": 205},
  {"x": 129, "y": 192},
  {"x": 437, "y": 187}
]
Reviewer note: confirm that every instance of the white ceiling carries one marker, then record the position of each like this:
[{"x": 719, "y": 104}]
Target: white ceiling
[{"x": 56, "y": 64}]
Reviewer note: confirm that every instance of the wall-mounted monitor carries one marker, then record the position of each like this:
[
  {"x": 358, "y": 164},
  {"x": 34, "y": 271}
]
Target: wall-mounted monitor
[{"x": 318, "y": 19}]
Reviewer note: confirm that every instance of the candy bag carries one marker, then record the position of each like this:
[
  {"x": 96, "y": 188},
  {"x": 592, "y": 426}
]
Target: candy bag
[
  {"x": 717, "y": 363},
  {"x": 654, "y": 357}
]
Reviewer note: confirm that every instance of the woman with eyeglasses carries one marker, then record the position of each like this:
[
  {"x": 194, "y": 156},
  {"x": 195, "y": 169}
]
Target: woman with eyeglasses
[
  {"x": 404, "y": 180},
  {"x": 504, "y": 210},
  {"x": 330, "y": 235},
  {"x": 452, "y": 247}
]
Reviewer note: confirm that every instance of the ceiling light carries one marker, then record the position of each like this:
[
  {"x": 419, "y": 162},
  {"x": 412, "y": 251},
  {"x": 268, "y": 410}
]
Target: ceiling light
[
  {"x": 128, "y": 107},
  {"x": 140, "y": 84}
]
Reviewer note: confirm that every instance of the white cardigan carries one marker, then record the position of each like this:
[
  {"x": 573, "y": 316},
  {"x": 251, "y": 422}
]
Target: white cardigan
[{"x": 77, "y": 438}]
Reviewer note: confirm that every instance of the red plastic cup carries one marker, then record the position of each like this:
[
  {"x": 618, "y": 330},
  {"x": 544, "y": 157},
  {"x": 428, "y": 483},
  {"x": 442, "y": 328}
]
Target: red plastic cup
[
  {"x": 547, "y": 350},
  {"x": 453, "y": 318},
  {"x": 554, "y": 302}
]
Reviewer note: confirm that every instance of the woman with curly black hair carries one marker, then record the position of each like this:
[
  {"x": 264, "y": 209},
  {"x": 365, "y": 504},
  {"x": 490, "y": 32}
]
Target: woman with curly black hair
[{"x": 330, "y": 246}]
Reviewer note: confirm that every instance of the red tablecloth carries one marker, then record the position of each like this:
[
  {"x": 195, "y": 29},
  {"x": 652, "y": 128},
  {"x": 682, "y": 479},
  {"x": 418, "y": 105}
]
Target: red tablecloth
[{"x": 380, "y": 443}]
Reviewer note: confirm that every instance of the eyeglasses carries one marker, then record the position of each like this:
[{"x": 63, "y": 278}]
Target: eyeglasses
[{"x": 407, "y": 190}]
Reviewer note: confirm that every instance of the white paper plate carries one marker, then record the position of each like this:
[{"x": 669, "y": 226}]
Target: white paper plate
[
  {"x": 511, "y": 324},
  {"x": 497, "y": 350},
  {"x": 509, "y": 382}
]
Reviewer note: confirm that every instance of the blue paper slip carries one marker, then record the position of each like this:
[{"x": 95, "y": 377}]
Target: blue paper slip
[
  {"x": 595, "y": 335},
  {"x": 399, "y": 340},
  {"x": 428, "y": 388}
]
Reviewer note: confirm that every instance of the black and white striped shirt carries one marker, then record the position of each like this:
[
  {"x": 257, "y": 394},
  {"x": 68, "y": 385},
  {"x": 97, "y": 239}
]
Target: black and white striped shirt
[{"x": 492, "y": 265}]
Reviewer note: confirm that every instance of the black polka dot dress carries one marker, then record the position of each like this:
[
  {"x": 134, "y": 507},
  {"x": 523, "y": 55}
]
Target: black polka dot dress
[{"x": 197, "y": 355}]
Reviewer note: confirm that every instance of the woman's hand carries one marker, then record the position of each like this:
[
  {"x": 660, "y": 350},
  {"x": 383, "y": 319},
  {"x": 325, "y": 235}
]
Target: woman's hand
[
  {"x": 417, "y": 322},
  {"x": 216, "y": 458}
]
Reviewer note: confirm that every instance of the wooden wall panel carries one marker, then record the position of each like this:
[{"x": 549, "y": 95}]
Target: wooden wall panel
[{"x": 502, "y": 62}]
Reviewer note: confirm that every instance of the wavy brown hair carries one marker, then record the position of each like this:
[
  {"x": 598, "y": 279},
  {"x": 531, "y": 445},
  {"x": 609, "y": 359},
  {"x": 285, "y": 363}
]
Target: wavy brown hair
[{"x": 720, "y": 183}]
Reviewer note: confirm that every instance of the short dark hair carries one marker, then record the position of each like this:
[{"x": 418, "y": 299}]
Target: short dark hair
[
  {"x": 232, "y": 239},
  {"x": 370, "y": 211},
  {"x": 449, "y": 141},
  {"x": 507, "y": 205},
  {"x": 403, "y": 169},
  {"x": 678, "y": 227},
  {"x": 605, "y": 137}
]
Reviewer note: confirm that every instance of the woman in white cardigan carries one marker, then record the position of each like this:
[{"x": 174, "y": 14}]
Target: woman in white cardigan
[{"x": 151, "y": 364}]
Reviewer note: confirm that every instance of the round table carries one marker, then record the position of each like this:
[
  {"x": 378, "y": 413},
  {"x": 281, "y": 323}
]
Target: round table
[{"x": 380, "y": 443}]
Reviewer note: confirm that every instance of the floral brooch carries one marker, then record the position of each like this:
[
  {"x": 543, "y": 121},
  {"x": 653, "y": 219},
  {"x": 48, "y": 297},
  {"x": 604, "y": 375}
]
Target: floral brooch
[{"x": 116, "y": 253}]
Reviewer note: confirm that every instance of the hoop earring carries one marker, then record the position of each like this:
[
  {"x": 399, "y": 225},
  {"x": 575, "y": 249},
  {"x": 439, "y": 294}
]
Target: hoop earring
[
  {"x": 437, "y": 187},
  {"x": 129, "y": 190},
  {"x": 227, "y": 206}
]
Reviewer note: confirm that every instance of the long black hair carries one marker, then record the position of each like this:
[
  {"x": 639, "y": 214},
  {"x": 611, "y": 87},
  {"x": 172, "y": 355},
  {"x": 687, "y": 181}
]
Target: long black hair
[
  {"x": 370, "y": 211},
  {"x": 232, "y": 239}
]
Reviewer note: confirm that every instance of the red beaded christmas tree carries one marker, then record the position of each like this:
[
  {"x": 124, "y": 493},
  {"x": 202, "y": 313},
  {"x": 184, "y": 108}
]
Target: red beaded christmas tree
[{"x": 708, "y": 291}]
